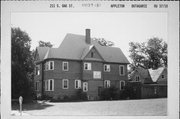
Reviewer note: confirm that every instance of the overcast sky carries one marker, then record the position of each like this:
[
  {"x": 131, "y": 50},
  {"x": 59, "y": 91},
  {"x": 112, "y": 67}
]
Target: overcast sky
[{"x": 118, "y": 27}]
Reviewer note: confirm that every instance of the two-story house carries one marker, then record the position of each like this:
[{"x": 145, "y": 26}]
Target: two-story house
[{"x": 79, "y": 63}]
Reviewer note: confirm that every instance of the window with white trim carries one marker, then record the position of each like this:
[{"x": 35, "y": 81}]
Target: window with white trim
[
  {"x": 37, "y": 70},
  {"x": 65, "y": 66},
  {"x": 49, "y": 85},
  {"x": 87, "y": 66},
  {"x": 85, "y": 86},
  {"x": 49, "y": 65},
  {"x": 137, "y": 79},
  {"x": 107, "y": 84},
  {"x": 77, "y": 84},
  {"x": 107, "y": 68},
  {"x": 121, "y": 70},
  {"x": 65, "y": 83},
  {"x": 37, "y": 85},
  {"x": 122, "y": 85}
]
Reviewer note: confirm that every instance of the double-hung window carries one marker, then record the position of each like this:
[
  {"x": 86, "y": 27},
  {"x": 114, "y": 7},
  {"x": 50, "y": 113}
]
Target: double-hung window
[
  {"x": 121, "y": 70},
  {"x": 77, "y": 84},
  {"x": 137, "y": 79},
  {"x": 107, "y": 68},
  {"x": 49, "y": 85},
  {"x": 107, "y": 83},
  {"x": 37, "y": 70},
  {"x": 37, "y": 86},
  {"x": 65, "y": 84},
  {"x": 87, "y": 66},
  {"x": 122, "y": 85},
  {"x": 49, "y": 65},
  {"x": 65, "y": 66},
  {"x": 85, "y": 86}
]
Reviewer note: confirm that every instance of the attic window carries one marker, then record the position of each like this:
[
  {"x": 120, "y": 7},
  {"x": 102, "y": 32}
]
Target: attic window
[
  {"x": 162, "y": 76},
  {"x": 92, "y": 54}
]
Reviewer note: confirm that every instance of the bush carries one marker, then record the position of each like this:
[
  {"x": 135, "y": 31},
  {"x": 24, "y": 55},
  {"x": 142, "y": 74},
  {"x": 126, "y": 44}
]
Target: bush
[{"x": 109, "y": 93}]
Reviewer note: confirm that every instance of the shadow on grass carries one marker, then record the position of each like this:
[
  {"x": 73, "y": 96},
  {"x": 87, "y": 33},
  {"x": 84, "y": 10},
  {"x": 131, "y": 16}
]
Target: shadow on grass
[{"x": 31, "y": 106}]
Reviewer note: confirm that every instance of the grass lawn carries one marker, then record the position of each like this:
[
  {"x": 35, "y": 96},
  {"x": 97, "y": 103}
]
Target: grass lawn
[{"x": 147, "y": 107}]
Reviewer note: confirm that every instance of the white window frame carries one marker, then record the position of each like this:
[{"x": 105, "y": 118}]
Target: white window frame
[
  {"x": 63, "y": 84},
  {"x": 122, "y": 87},
  {"x": 137, "y": 79},
  {"x": 88, "y": 66},
  {"x": 120, "y": 70},
  {"x": 63, "y": 66},
  {"x": 37, "y": 70},
  {"x": 37, "y": 85},
  {"x": 85, "y": 84},
  {"x": 108, "y": 68},
  {"x": 107, "y": 83},
  {"x": 47, "y": 85},
  {"x": 78, "y": 86},
  {"x": 50, "y": 65}
]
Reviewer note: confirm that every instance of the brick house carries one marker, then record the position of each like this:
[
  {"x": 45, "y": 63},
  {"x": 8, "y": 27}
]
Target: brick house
[
  {"x": 79, "y": 63},
  {"x": 149, "y": 83}
]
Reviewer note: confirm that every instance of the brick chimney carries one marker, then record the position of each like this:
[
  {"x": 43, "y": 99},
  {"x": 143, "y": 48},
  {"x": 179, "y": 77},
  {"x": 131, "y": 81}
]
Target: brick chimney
[{"x": 88, "y": 36}]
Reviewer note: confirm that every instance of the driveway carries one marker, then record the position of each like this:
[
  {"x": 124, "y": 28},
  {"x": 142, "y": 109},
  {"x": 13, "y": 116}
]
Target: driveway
[{"x": 147, "y": 107}]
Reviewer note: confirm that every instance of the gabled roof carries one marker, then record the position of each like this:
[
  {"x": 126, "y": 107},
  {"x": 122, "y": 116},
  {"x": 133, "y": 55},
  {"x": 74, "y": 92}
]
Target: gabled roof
[
  {"x": 142, "y": 71},
  {"x": 74, "y": 47},
  {"x": 155, "y": 74}
]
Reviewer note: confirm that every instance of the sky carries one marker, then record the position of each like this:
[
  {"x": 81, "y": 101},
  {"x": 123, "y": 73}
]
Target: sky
[{"x": 118, "y": 27}]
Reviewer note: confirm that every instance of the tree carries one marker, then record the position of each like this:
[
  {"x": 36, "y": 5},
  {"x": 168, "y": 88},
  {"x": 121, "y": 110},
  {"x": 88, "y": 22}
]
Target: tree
[
  {"x": 45, "y": 44},
  {"x": 104, "y": 42},
  {"x": 150, "y": 54},
  {"x": 22, "y": 64}
]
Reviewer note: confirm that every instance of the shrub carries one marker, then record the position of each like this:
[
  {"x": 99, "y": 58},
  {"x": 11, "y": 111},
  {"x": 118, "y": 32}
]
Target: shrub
[{"x": 109, "y": 93}]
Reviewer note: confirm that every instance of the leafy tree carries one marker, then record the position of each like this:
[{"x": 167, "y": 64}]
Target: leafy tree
[
  {"x": 22, "y": 64},
  {"x": 104, "y": 42},
  {"x": 150, "y": 54},
  {"x": 45, "y": 44}
]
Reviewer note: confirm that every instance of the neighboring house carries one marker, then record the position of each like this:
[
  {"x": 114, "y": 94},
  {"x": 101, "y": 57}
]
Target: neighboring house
[
  {"x": 79, "y": 63},
  {"x": 152, "y": 82}
]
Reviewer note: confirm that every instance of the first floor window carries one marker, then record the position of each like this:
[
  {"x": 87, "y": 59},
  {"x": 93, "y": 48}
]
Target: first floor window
[
  {"x": 49, "y": 85},
  {"x": 122, "y": 85},
  {"x": 121, "y": 70},
  {"x": 37, "y": 85},
  {"x": 65, "y": 84},
  {"x": 87, "y": 66},
  {"x": 107, "y": 68},
  {"x": 77, "y": 84},
  {"x": 85, "y": 86},
  {"x": 107, "y": 83}
]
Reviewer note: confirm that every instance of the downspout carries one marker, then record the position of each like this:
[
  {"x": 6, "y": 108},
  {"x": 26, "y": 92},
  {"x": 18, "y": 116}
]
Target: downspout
[{"x": 42, "y": 77}]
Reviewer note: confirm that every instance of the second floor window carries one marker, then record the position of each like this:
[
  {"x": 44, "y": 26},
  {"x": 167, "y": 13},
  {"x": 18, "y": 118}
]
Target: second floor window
[
  {"x": 65, "y": 66},
  {"x": 65, "y": 84},
  {"x": 107, "y": 68},
  {"x": 87, "y": 66},
  {"x": 137, "y": 79},
  {"x": 49, "y": 65},
  {"x": 121, "y": 70},
  {"x": 37, "y": 70}
]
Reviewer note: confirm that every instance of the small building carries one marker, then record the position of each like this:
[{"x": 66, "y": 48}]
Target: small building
[
  {"x": 149, "y": 83},
  {"x": 79, "y": 63}
]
